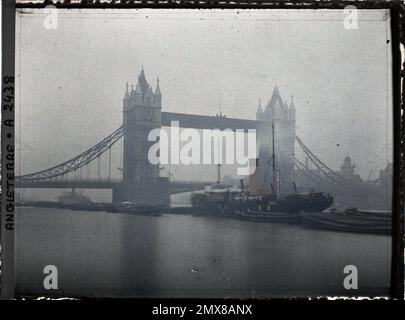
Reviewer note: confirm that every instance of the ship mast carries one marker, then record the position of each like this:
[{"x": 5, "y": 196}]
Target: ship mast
[
  {"x": 219, "y": 146},
  {"x": 274, "y": 162}
]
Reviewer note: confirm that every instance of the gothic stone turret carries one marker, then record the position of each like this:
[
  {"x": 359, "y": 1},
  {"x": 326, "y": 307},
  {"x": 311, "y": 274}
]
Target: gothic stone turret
[
  {"x": 283, "y": 117},
  {"x": 141, "y": 114}
]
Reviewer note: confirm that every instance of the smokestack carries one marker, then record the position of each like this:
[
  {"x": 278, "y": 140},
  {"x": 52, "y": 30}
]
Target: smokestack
[{"x": 242, "y": 185}]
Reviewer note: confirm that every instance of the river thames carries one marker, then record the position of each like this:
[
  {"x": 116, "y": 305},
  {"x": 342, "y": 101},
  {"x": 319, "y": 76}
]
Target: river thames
[{"x": 108, "y": 254}]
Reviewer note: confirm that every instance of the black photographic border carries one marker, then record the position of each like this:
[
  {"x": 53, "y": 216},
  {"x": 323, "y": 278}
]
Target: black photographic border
[{"x": 397, "y": 13}]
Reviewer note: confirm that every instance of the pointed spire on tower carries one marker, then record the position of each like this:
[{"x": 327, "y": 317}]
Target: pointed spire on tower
[
  {"x": 259, "y": 108},
  {"x": 143, "y": 84},
  {"x": 275, "y": 91},
  {"x": 275, "y": 96},
  {"x": 126, "y": 90},
  {"x": 292, "y": 102},
  {"x": 157, "y": 90},
  {"x": 275, "y": 103},
  {"x": 126, "y": 97},
  {"x": 132, "y": 92}
]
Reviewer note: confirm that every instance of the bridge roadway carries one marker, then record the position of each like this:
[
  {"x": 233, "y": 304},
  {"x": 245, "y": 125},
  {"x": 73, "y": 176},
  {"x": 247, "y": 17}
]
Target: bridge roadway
[{"x": 175, "y": 186}]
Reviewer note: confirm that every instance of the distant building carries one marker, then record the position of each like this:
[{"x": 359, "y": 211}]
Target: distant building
[
  {"x": 315, "y": 179},
  {"x": 385, "y": 177},
  {"x": 347, "y": 171},
  {"x": 351, "y": 190}
]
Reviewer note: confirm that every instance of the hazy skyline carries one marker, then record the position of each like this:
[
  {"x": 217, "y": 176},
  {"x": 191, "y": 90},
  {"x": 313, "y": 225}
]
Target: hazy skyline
[{"x": 72, "y": 81}]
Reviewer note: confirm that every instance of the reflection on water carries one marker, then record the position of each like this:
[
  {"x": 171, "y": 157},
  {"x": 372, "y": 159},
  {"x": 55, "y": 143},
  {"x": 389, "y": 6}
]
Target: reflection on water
[{"x": 107, "y": 254}]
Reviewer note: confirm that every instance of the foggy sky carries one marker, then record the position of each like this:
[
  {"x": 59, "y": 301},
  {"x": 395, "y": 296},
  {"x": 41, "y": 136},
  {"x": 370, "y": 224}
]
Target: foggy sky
[{"x": 72, "y": 80}]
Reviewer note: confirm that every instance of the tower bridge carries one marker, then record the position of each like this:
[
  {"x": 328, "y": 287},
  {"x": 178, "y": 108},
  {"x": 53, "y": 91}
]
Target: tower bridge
[{"x": 141, "y": 181}]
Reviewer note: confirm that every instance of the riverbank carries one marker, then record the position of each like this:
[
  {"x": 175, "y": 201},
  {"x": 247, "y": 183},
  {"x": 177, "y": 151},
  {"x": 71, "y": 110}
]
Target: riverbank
[{"x": 340, "y": 221}]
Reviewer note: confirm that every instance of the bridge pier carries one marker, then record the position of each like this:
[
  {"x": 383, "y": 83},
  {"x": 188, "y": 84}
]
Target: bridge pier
[
  {"x": 155, "y": 193},
  {"x": 141, "y": 114}
]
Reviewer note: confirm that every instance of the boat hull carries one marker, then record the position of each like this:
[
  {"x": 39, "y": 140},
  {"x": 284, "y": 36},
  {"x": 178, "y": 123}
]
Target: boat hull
[
  {"x": 270, "y": 217},
  {"x": 306, "y": 203},
  {"x": 338, "y": 221}
]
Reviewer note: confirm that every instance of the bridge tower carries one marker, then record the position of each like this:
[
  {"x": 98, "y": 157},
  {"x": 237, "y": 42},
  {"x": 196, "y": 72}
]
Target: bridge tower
[
  {"x": 278, "y": 112},
  {"x": 141, "y": 113}
]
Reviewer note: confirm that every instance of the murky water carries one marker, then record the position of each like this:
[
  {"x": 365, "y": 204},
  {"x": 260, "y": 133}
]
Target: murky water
[{"x": 108, "y": 254}]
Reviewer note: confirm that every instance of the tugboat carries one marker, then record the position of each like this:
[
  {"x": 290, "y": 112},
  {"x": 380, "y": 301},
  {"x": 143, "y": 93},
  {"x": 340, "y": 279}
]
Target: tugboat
[
  {"x": 217, "y": 199},
  {"x": 137, "y": 209},
  {"x": 273, "y": 207},
  {"x": 75, "y": 201},
  {"x": 260, "y": 206}
]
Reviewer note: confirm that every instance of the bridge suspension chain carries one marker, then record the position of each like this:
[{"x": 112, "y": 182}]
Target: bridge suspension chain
[
  {"x": 74, "y": 164},
  {"x": 326, "y": 171},
  {"x": 309, "y": 173},
  {"x": 341, "y": 182}
]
